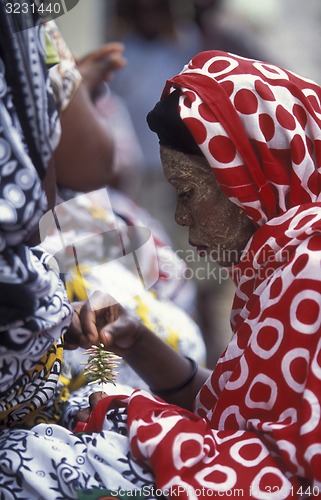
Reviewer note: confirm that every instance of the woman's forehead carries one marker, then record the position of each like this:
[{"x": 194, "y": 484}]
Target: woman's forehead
[{"x": 181, "y": 167}]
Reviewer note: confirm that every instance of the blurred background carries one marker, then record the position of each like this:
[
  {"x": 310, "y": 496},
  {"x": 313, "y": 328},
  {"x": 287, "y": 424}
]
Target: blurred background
[
  {"x": 161, "y": 36},
  {"x": 289, "y": 29}
]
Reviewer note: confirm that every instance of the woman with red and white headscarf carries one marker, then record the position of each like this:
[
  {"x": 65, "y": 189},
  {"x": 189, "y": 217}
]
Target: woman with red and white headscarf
[
  {"x": 240, "y": 142},
  {"x": 258, "y": 126}
]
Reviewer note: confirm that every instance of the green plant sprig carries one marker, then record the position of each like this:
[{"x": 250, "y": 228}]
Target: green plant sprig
[{"x": 101, "y": 364}]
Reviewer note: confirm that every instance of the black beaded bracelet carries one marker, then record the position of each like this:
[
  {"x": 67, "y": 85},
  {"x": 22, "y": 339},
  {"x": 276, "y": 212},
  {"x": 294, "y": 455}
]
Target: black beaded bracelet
[{"x": 172, "y": 390}]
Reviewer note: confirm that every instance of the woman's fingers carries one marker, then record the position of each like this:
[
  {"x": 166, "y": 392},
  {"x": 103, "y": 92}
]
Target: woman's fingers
[
  {"x": 72, "y": 337},
  {"x": 95, "y": 314},
  {"x": 101, "y": 320},
  {"x": 95, "y": 397},
  {"x": 122, "y": 334},
  {"x": 101, "y": 63}
]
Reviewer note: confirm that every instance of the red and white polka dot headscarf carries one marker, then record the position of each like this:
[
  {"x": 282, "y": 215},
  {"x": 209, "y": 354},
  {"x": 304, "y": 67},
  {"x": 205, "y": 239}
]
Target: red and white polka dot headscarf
[{"x": 258, "y": 125}]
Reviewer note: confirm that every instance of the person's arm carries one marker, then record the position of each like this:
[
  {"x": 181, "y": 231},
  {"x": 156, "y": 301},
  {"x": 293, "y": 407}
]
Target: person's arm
[
  {"x": 161, "y": 367},
  {"x": 84, "y": 156}
]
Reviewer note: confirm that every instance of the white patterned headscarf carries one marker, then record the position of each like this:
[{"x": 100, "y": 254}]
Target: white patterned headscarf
[{"x": 29, "y": 132}]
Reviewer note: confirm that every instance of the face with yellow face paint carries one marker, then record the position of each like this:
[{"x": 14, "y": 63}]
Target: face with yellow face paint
[{"x": 216, "y": 225}]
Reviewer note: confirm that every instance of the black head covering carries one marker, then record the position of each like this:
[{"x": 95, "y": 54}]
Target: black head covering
[{"x": 165, "y": 120}]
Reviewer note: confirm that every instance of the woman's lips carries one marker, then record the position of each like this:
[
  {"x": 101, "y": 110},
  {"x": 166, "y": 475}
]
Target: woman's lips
[{"x": 201, "y": 249}]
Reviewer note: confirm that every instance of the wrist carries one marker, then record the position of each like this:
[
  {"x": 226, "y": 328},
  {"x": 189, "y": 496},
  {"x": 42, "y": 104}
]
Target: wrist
[{"x": 181, "y": 385}]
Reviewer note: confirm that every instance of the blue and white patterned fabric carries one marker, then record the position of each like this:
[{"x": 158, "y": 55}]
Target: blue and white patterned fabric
[{"x": 34, "y": 310}]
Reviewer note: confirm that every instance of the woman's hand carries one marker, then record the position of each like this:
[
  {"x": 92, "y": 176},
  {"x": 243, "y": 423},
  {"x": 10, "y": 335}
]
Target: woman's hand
[
  {"x": 100, "y": 320},
  {"x": 98, "y": 66}
]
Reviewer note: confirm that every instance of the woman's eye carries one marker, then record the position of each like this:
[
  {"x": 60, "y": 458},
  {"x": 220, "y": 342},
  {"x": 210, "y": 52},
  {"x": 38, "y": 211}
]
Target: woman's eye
[{"x": 184, "y": 195}]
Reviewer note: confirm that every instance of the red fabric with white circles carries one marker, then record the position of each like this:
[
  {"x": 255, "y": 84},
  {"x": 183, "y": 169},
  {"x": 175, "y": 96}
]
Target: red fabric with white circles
[{"x": 257, "y": 428}]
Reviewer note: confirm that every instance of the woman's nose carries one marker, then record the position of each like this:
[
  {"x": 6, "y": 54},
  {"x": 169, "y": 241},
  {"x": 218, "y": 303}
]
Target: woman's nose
[{"x": 182, "y": 216}]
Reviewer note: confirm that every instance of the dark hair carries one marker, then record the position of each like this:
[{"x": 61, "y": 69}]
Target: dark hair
[{"x": 165, "y": 120}]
